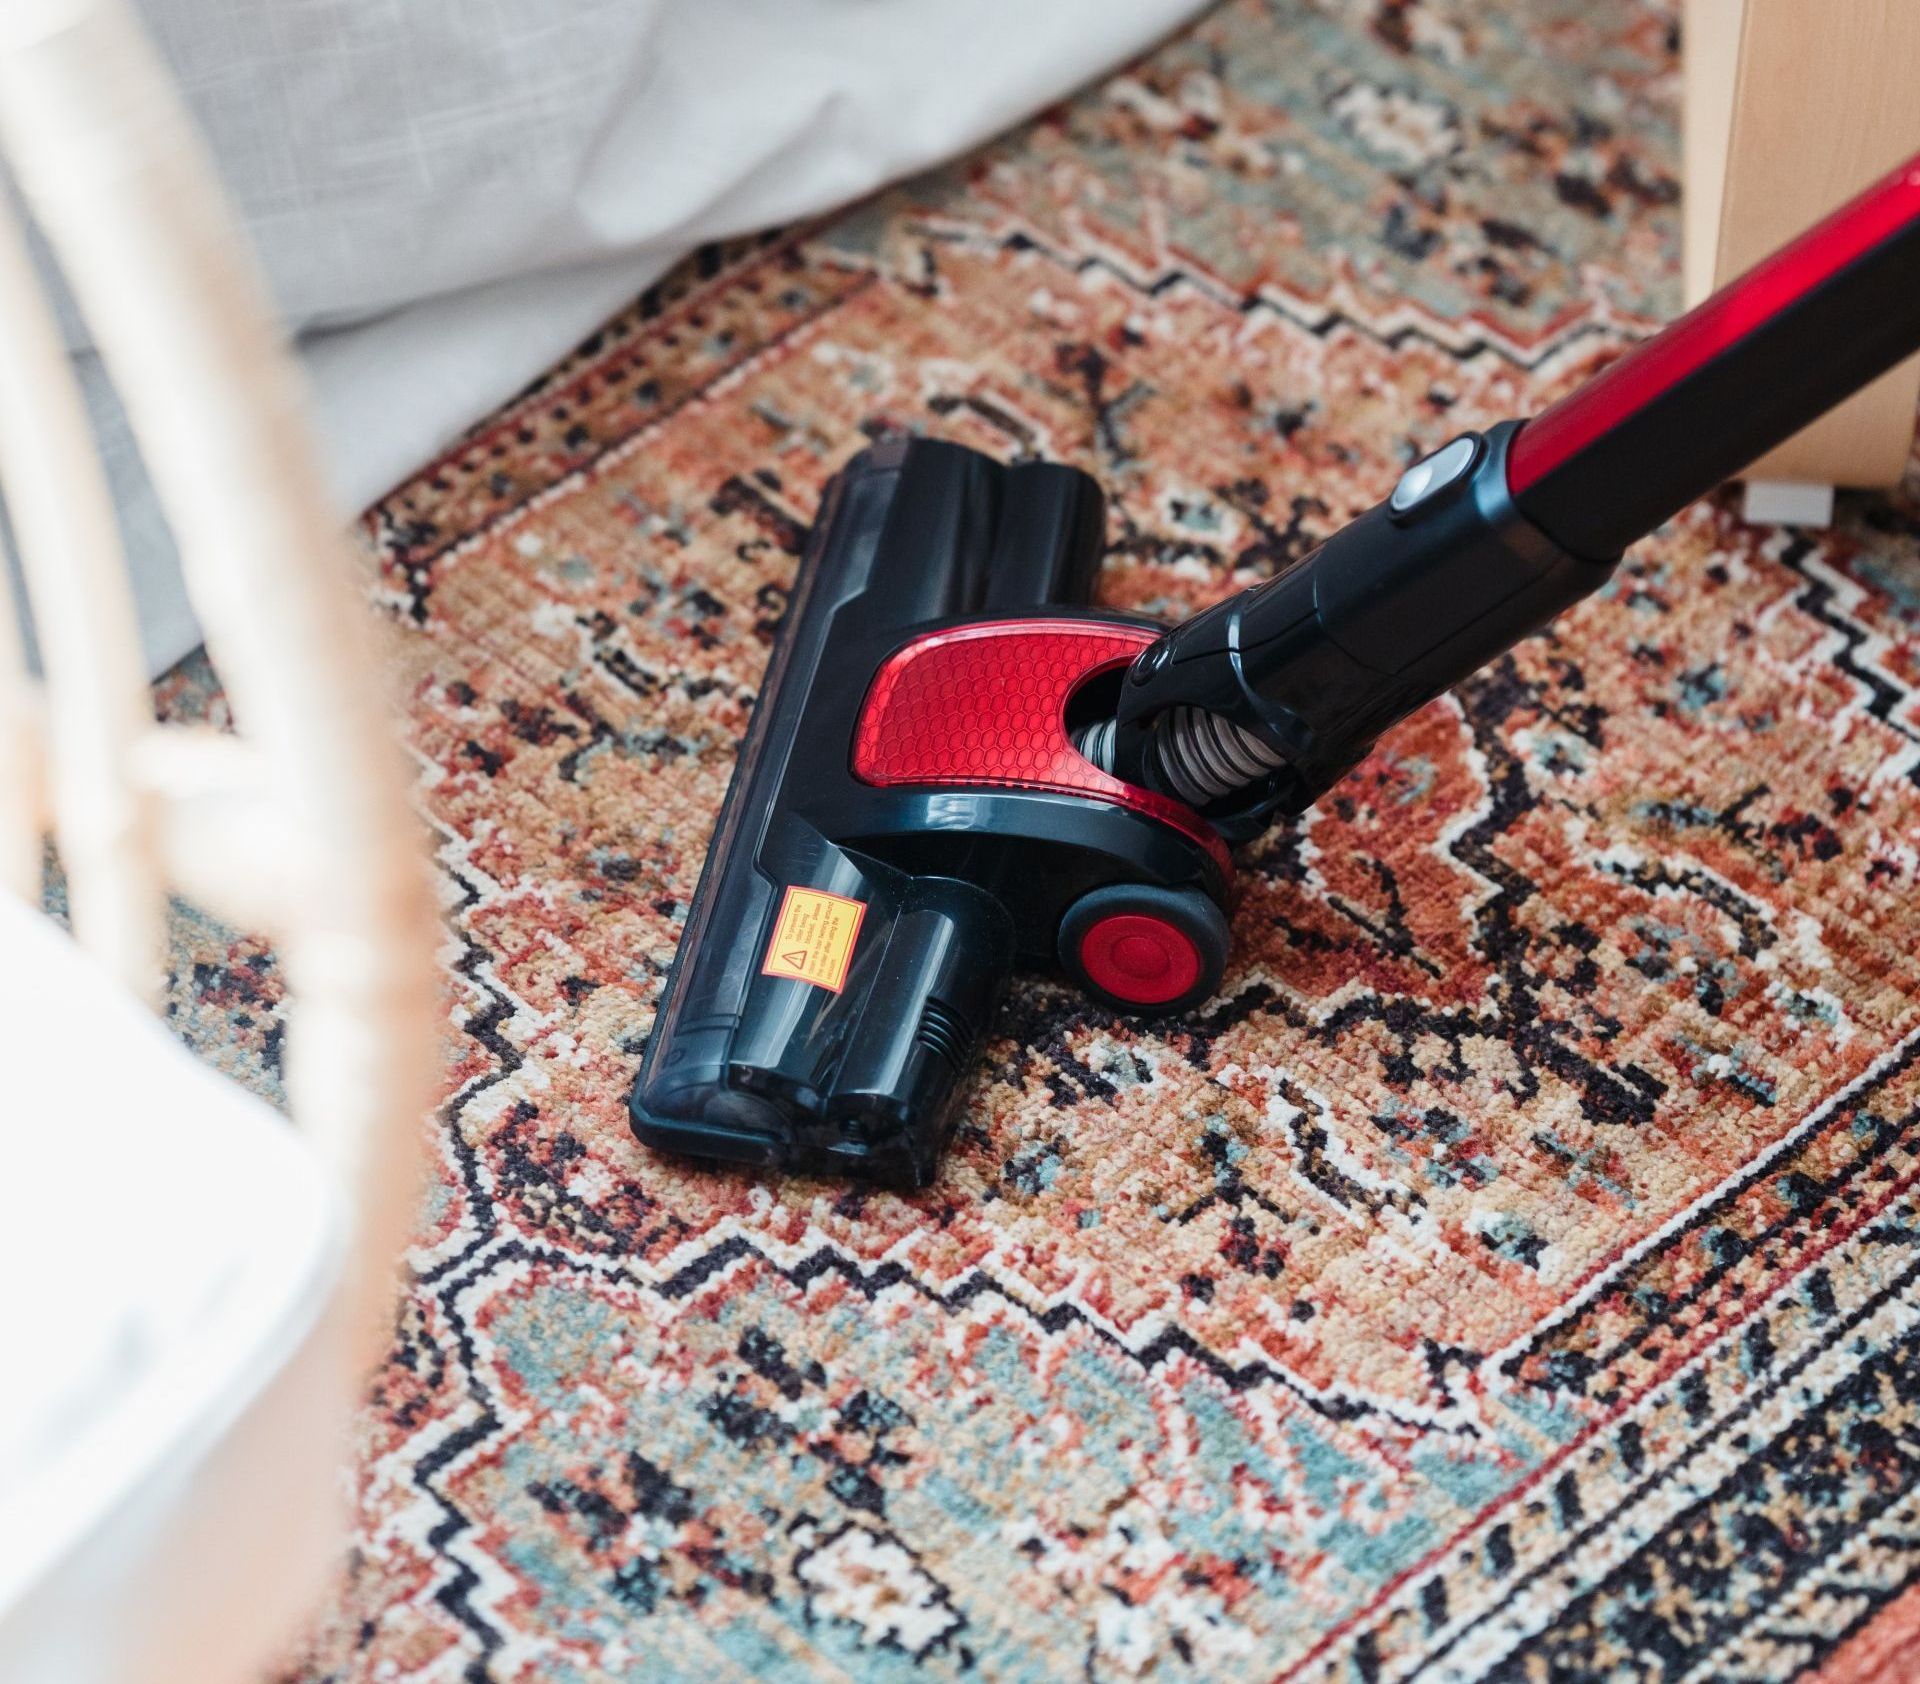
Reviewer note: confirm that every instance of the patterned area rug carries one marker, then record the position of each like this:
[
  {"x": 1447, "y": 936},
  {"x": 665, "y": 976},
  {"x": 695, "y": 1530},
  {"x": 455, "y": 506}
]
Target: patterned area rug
[{"x": 1511, "y": 1275}]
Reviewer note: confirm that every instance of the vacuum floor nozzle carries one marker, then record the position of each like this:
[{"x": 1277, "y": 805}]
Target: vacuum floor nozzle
[{"x": 855, "y": 927}]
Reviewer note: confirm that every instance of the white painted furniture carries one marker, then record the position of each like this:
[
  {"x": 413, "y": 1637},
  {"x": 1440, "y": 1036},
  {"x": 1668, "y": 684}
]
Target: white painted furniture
[
  {"x": 190, "y": 1285},
  {"x": 176, "y": 1381}
]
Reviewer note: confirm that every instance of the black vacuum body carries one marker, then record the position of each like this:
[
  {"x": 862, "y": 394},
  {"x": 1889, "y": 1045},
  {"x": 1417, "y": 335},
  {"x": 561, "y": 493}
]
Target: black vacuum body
[{"x": 909, "y": 821}]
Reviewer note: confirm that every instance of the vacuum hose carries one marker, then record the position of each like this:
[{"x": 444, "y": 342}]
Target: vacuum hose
[{"x": 1199, "y": 757}]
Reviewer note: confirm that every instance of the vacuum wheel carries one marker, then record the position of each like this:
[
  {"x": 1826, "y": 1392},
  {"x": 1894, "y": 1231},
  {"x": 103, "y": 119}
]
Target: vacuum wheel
[{"x": 1145, "y": 950}]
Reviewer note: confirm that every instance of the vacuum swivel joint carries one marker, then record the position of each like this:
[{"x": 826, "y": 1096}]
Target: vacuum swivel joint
[{"x": 1260, "y": 703}]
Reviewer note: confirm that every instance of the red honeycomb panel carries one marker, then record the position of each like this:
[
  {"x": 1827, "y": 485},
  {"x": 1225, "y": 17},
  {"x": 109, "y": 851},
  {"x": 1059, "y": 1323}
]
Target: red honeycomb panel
[{"x": 985, "y": 706}]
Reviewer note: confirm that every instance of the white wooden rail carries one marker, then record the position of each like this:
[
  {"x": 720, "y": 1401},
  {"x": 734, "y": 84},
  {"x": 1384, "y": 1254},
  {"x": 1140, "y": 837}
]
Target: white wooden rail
[{"x": 298, "y": 826}]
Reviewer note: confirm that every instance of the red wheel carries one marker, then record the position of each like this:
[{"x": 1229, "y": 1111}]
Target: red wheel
[{"x": 1142, "y": 949}]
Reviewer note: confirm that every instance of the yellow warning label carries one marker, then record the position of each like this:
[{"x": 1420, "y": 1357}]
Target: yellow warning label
[{"x": 813, "y": 938}]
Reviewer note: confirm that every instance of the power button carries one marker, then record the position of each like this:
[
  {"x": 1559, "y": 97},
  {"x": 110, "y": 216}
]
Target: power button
[{"x": 1433, "y": 474}]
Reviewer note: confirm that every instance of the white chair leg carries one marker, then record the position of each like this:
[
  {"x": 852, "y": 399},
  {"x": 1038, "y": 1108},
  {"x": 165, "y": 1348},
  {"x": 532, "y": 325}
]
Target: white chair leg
[
  {"x": 23, "y": 792},
  {"x": 98, "y": 707},
  {"x": 109, "y": 163}
]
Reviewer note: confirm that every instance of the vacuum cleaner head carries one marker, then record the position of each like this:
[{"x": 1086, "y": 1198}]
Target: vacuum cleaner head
[{"x": 910, "y": 820}]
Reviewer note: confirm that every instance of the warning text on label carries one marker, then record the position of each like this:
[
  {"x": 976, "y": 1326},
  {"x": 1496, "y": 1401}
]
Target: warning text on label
[{"x": 813, "y": 938}]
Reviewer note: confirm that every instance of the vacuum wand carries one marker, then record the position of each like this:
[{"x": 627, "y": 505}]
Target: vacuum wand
[{"x": 1259, "y": 704}]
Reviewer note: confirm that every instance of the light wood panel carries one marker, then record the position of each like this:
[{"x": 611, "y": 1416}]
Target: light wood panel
[{"x": 1792, "y": 106}]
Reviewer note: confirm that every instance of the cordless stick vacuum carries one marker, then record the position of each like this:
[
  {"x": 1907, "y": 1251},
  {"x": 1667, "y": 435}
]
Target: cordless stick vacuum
[{"x": 959, "y": 766}]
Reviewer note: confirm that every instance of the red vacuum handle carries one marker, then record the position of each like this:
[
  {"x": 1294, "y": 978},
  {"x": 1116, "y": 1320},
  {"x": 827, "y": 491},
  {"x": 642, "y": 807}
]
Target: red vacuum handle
[{"x": 1759, "y": 360}]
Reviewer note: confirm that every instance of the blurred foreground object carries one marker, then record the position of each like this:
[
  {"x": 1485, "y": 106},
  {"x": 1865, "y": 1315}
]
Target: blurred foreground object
[
  {"x": 1790, "y": 110},
  {"x": 192, "y": 1288}
]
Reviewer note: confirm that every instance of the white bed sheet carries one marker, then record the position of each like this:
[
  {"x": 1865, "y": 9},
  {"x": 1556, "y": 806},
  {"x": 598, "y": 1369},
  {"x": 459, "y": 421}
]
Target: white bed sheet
[{"x": 447, "y": 194}]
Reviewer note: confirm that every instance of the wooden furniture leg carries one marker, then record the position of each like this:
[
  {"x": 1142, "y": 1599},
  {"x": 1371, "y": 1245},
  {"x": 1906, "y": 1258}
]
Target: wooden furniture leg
[{"x": 1791, "y": 108}]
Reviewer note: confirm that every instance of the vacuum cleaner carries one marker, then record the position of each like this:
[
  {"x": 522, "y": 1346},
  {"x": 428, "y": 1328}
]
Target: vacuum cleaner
[{"x": 960, "y": 765}]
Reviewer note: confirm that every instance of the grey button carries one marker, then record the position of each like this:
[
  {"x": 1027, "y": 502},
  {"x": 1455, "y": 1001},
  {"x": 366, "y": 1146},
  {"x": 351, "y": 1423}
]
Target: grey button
[{"x": 1433, "y": 473}]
